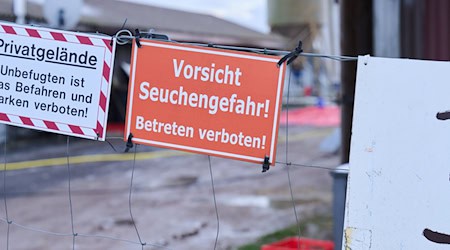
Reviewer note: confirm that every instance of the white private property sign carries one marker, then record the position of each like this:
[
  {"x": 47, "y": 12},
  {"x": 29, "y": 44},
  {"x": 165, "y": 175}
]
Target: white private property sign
[
  {"x": 398, "y": 194},
  {"x": 55, "y": 81}
]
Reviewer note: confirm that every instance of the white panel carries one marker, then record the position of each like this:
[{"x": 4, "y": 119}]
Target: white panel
[{"x": 399, "y": 182}]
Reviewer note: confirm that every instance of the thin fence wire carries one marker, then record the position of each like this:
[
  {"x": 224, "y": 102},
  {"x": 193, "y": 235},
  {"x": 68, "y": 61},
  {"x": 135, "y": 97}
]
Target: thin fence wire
[
  {"x": 38, "y": 230},
  {"x": 306, "y": 165},
  {"x": 125, "y": 36},
  {"x": 223, "y": 181},
  {"x": 8, "y": 222},
  {"x": 122, "y": 39},
  {"x": 215, "y": 202},
  {"x": 297, "y": 222},
  {"x": 69, "y": 177},
  {"x": 129, "y": 199}
]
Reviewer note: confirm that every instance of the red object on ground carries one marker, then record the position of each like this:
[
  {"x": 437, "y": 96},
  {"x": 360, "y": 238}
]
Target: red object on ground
[
  {"x": 307, "y": 91},
  {"x": 295, "y": 243},
  {"x": 328, "y": 116}
]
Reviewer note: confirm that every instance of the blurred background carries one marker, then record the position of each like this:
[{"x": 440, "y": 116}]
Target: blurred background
[{"x": 318, "y": 132}]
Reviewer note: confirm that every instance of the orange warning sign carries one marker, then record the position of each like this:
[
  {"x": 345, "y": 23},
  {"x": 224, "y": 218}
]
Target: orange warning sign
[{"x": 205, "y": 100}]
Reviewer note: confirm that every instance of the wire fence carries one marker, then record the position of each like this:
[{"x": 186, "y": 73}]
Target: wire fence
[{"x": 76, "y": 235}]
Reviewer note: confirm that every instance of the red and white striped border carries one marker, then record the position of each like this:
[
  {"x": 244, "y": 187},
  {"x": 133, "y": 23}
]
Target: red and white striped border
[{"x": 97, "y": 133}]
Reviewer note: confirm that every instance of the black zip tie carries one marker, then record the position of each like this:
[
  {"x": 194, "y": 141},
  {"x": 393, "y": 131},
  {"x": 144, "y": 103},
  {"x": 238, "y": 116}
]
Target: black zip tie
[
  {"x": 129, "y": 144},
  {"x": 137, "y": 36},
  {"x": 266, "y": 164},
  {"x": 211, "y": 45},
  {"x": 292, "y": 55}
]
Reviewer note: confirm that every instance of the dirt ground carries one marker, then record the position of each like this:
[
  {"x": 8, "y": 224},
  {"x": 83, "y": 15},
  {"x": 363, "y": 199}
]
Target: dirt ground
[{"x": 172, "y": 199}]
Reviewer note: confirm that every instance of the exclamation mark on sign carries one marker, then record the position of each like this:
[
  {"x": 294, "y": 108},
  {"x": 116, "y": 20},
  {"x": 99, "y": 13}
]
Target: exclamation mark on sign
[
  {"x": 263, "y": 145},
  {"x": 85, "y": 113},
  {"x": 266, "y": 109}
]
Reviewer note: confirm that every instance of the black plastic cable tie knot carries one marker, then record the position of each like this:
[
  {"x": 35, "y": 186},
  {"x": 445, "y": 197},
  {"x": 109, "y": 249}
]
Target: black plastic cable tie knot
[
  {"x": 291, "y": 56},
  {"x": 9, "y": 222},
  {"x": 129, "y": 144},
  {"x": 137, "y": 37},
  {"x": 266, "y": 164},
  {"x": 211, "y": 45}
]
